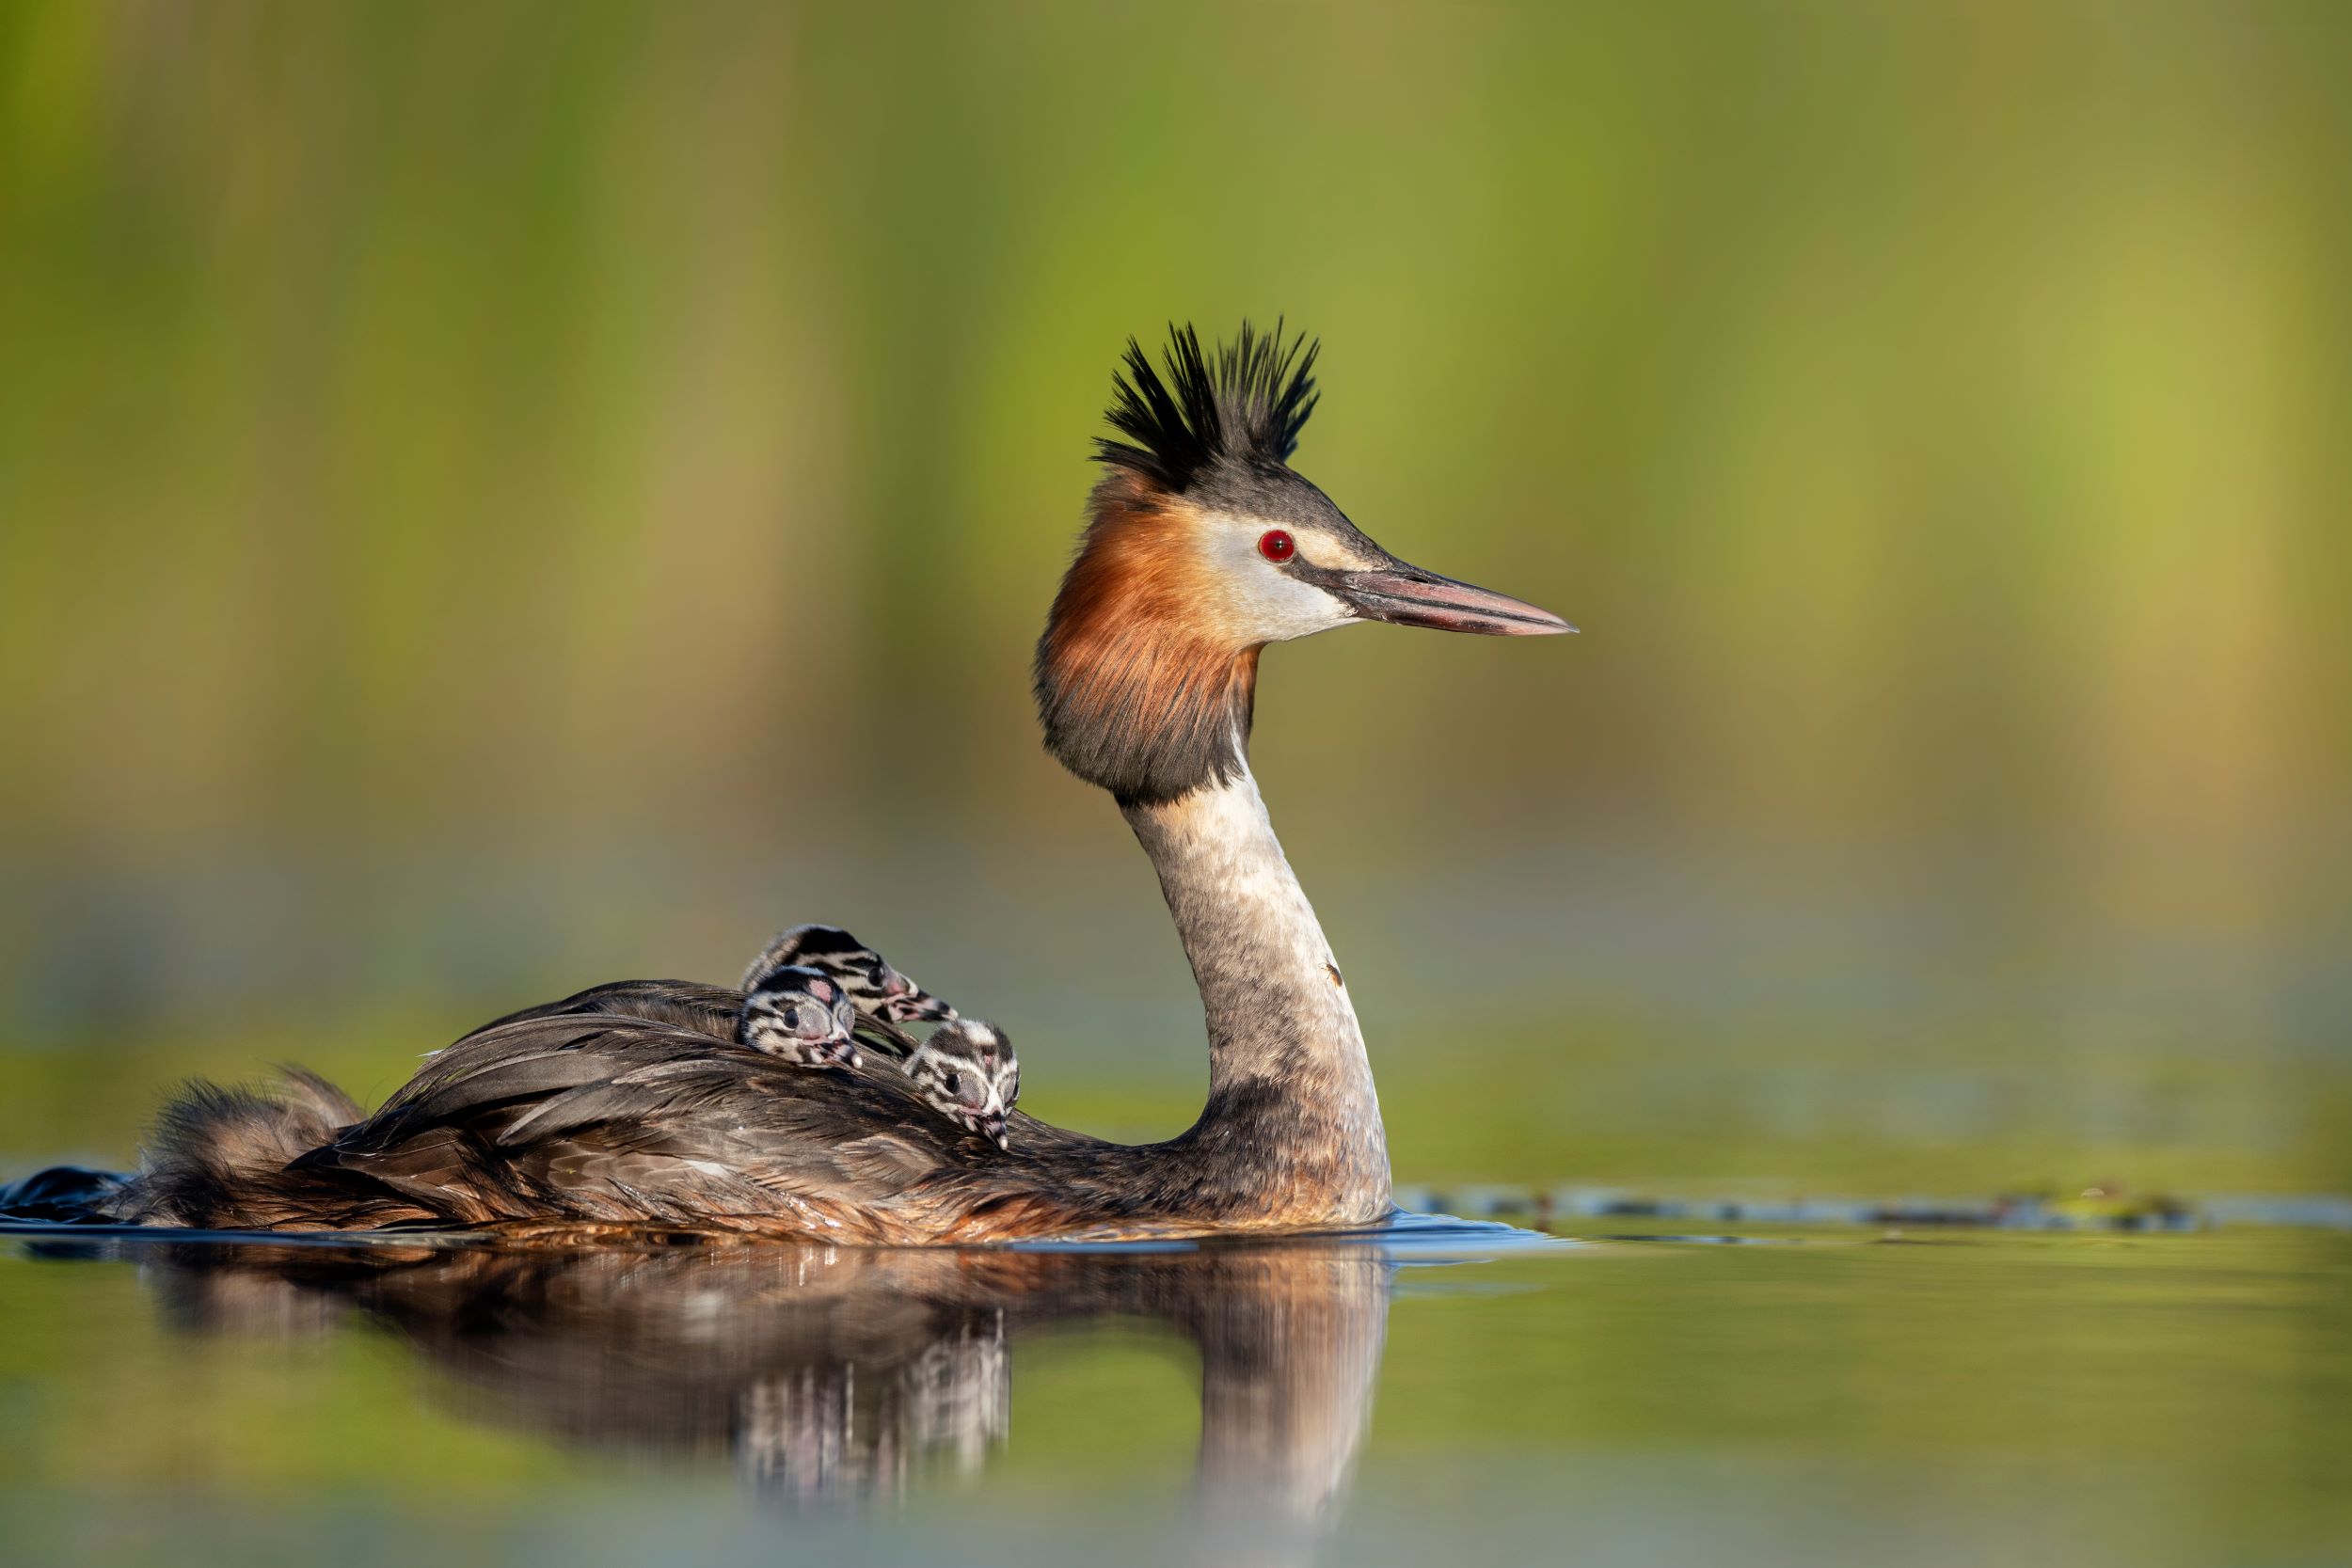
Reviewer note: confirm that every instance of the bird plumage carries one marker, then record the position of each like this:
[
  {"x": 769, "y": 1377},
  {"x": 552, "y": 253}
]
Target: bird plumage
[
  {"x": 1245, "y": 404},
  {"x": 632, "y": 1105},
  {"x": 875, "y": 985},
  {"x": 967, "y": 1073},
  {"x": 800, "y": 1015}
]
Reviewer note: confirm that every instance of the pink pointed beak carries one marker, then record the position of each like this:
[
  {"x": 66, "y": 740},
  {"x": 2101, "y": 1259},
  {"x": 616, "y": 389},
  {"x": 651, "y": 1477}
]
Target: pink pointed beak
[{"x": 1409, "y": 597}]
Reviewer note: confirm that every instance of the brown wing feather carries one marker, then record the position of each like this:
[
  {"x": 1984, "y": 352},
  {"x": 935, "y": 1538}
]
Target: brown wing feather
[
  {"x": 601, "y": 1112},
  {"x": 689, "y": 1004},
  {"x": 610, "y": 1116}
]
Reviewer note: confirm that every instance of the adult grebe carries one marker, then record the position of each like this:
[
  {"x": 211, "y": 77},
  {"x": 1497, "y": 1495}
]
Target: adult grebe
[{"x": 1201, "y": 548}]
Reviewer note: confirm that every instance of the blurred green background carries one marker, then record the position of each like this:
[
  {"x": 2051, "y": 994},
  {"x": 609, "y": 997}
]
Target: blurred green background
[{"x": 495, "y": 498}]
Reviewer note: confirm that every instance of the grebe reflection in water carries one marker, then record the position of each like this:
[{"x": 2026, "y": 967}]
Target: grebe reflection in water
[{"x": 837, "y": 1375}]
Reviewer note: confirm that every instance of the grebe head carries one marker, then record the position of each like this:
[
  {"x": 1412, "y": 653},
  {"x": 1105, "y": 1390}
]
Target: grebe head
[
  {"x": 967, "y": 1073},
  {"x": 876, "y": 988},
  {"x": 1201, "y": 546},
  {"x": 801, "y": 1015}
]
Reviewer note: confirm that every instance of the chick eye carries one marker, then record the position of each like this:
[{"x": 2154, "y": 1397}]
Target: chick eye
[
  {"x": 1276, "y": 545},
  {"x": 955, "y": 1082}
]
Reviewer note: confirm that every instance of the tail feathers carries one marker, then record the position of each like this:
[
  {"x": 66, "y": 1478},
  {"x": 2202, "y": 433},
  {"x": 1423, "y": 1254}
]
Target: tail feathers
[{"x": 218, "y": 1156}]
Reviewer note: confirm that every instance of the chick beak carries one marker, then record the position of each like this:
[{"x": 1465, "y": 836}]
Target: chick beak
[{"x": 917, "y": 1006}]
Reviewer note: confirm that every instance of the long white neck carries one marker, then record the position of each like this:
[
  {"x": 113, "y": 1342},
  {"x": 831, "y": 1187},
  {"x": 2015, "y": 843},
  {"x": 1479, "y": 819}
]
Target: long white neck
[{"x": 1291, "y": 1114}]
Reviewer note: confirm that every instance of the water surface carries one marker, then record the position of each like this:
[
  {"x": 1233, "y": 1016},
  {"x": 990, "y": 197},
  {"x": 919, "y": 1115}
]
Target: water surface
[{"x": 1451, "y": 1392}]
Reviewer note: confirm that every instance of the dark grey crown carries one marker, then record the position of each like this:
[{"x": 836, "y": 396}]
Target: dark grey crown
[{"x": 1244, "y": 410}]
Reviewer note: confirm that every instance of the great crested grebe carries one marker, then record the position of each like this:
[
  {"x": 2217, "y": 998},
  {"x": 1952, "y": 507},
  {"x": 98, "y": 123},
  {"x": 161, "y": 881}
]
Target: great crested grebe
[
  {"x": 877, "y": 987},
  {"x": 798, "y": 1015},
  {"x": 1201, "y": 546},
  {"x": 967, "y": 1073}
]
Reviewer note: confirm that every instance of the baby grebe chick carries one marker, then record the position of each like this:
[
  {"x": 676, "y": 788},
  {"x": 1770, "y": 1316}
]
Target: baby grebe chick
[
  {"x": 966, "y": 1071},
  {"x": 879, "y": 990},
  {"x": 803, "y": 1015}
]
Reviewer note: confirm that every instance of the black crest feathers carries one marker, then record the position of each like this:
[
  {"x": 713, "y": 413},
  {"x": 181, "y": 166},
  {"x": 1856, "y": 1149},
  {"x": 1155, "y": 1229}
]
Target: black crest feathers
[{"x": 1247, "y": 406}]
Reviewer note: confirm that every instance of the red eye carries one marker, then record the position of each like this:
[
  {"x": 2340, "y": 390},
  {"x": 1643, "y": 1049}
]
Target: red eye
[{"x": 1277, "y": 545}]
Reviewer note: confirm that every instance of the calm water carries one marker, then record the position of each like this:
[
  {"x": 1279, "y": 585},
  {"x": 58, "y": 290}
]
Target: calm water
[{"x": 1450, "y": 1393}]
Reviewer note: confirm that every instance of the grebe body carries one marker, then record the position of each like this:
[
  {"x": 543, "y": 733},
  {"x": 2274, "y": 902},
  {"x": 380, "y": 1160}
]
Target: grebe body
[{"x": 613, "y": 1108}]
